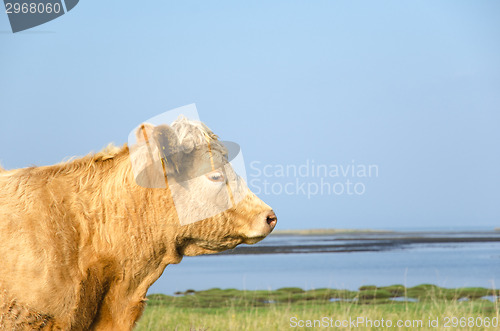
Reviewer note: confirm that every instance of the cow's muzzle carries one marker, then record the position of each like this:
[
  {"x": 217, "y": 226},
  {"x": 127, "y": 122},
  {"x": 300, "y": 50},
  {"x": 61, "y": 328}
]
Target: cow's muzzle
[{"x": 271, "y": 220}]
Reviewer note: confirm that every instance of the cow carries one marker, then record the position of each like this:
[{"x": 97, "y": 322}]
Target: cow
[{"x": 81, "y": 241}]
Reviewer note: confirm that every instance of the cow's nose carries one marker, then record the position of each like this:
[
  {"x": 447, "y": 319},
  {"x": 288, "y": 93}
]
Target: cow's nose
[{"x": 271, "y": 219}]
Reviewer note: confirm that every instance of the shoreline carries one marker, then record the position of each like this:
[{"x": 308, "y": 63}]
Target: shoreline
[
  {"x": 320, "y": 232},
  {"x": 332, "y": 231},
  {"x": 351, "y": 241}
]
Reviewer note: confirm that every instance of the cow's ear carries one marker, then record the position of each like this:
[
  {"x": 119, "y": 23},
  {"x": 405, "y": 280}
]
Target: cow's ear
[
  {"x": 144, "y": 133},
  {"x": 168, "y": 145}
]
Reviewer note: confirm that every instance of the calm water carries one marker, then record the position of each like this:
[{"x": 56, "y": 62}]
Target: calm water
[{"x": 445, "y": 264}]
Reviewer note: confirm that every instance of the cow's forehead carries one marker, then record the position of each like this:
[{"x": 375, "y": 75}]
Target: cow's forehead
[
  {"x": 183, "y": 148},
  {"x": 200, "y": 161}
]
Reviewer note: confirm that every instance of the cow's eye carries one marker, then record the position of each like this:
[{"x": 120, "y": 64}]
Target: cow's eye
[{"x": 216, "y": 176}]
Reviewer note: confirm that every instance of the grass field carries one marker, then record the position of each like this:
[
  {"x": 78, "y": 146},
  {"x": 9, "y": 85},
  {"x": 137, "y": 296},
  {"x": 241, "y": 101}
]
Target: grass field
[{"x": 290, "y": 308}]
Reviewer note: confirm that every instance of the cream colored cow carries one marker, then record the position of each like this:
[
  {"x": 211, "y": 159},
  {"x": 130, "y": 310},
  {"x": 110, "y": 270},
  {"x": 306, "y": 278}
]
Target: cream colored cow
[{"x": 81, "y": 242}]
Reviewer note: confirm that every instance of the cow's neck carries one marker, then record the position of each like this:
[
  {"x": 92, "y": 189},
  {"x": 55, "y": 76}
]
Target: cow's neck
[{"x": 133, "y": 229}]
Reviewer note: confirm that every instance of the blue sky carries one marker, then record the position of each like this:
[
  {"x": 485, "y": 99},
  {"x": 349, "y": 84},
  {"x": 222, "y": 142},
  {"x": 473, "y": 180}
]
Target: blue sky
[{"x": 410, "y": 86}]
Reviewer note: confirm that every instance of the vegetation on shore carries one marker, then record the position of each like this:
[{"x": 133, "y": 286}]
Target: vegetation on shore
[{"x": 231, "y": 309}]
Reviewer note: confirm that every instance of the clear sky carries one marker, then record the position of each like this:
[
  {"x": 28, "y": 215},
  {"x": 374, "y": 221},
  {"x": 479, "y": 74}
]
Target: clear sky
[{"x": 409, "y": 87}]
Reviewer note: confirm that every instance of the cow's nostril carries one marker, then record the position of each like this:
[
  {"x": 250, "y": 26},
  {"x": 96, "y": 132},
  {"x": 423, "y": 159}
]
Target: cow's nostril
[{"x": 272, "y": 219}]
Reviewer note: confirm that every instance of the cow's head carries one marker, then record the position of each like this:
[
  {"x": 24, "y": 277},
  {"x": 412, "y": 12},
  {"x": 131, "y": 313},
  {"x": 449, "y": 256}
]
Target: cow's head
[{"x": 215, "y": 209}]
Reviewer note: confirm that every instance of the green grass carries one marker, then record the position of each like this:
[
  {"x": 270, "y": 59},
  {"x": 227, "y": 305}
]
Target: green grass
[{"x": 231, "y": 309}]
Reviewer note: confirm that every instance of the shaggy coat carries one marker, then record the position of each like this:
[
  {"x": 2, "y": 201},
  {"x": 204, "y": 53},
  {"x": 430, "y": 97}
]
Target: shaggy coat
[{"x": 81, "y": 242}]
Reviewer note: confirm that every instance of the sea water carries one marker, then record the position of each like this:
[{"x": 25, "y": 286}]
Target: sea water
[{"x": 462, "y": 264}]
